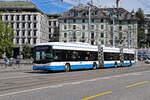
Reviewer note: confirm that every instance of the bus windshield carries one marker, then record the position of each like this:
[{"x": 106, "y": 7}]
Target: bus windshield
[{"x": 43, "y": 54}]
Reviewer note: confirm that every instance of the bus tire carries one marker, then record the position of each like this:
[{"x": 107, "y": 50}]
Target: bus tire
[
  {"x": 94, "y": 66},
  {"x": 116, "y": 65},
  {"x": 67, "y": 67}
]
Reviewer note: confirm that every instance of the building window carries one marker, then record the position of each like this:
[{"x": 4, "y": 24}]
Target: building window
[
  {"x": 96, "y": 13},
  {"x": 50, "y": 23},
  {"x": 6, "y": 17},
  {"x": 92, "y": 42},
  {"x": 83, "y": 20},
  {"x": 12, "y": 25},
  {"x": 120, "y": 28},
  {"x": 92, "y": 27},
  {"x": 83, "y": 35},
  {"x": 29, "y": 40},
  {"x": 83, "y": 27},
  {"x": 12, "y": 17},
  {"x": 54, "y": 23},
  {"x": 65, "y": 35},
  {"x": 102, "y": 41},
  {"x": 79, "y": 13},
  {"x": 65, "y": 21},
  {"x": 23, "y": 40},
  {"x": 74, "y": 20},
  {"x": 17, "y": 25},
  {"x": 34, "y": 17},
  {"x": 34, "y": 25},
  {"x": 23, "y": 17},
  {"x": 34, "y": 33},
  {"x": 65, "y": 27},
  {"x": 111, "y": 28},
  {"x": 102, "y": 26},
  {"x": 34, "y": 41},
  {"x": 74, "y": 27},
  {"x": 29, "y": 17},
  {"x": 92, "y": 35},
  {"x": 71, "y": 13},
  {"x": 111, "y": 22},
  {"x": 65, "y": 40},
  {"x": 129, "y": 22},
  {"x": 129, "y": 27},
  {"x": 23, "y": 25},
  {"x": 120, "y": 22},
  {"x": 120, "y": 35},
  {"x": 74, "y": 36},
  {"x": 17, "y": 33},
  {"x": 17, "y": 40},
  {"x": 102, "y": 20},
  {"x": 23, "y": 33},
  {"x": 102, "y": 35},
  {"x": 92, "y": 20},
  {"x": 29, "y": 25},
  {"x": 29, "y": 33},
  {"x": 50, "y": 30},
  {"x": 18, "y": 17}
]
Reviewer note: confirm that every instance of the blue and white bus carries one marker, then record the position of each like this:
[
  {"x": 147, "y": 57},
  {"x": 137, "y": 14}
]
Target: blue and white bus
[{"x": 55, "y": 56}]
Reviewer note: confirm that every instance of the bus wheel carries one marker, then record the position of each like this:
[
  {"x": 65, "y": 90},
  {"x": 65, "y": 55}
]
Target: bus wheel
[
  {"x": 116, "y": 65},
  {"x": 94, "y": 66},
  {"x": 67, "y": 68}
]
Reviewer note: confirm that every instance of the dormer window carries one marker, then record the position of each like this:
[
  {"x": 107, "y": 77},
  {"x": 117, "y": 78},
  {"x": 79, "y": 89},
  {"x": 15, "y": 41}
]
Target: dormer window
[
  {"x": 95, "y": 13},
  {"x": 120, "y": 14},
  {"x": 79, "y": 13},
  {"x": 71, "y": 13}
]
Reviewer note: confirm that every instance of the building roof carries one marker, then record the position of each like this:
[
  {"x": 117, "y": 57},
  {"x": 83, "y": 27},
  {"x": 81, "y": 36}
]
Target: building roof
[
  {"x": 98, "y": 13},
  {"x": 18, "y": 6}
]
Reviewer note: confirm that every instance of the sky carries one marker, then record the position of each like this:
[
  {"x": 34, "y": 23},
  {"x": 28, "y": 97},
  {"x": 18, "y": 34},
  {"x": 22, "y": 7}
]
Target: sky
[{"x": 57, "y": 6}]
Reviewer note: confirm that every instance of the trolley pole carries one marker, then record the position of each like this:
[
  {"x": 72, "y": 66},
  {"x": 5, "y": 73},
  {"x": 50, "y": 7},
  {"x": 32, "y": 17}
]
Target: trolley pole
[
  {"x": 89, "y": 25},
  {"x": 113, "y": 37},
  {"x": 89, "y": 21},
  {"x": 129, "y": 38}
]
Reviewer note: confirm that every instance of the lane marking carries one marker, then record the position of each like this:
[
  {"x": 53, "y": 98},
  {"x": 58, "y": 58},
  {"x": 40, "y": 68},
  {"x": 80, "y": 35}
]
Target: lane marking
[
  {"x": 144, "y": 82},
  {"x": 103, "y": 93}
]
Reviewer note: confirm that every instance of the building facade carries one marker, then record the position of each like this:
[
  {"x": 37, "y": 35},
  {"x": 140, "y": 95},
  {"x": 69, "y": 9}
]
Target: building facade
[
  {"x": 53, "y": 27},
  {"x": 29, "y": 24},
  {"x": 107, "y": 25}
]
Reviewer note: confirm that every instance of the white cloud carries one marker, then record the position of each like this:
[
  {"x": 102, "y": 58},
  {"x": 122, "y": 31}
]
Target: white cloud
[{"x": 127, "y": 4}]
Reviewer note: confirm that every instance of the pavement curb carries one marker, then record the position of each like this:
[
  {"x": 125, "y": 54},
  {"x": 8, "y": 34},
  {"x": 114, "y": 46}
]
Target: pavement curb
[{"x": 14, "y": 71}]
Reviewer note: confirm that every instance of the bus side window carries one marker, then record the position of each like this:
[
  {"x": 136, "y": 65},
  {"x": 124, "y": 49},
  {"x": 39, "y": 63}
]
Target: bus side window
[
  {"x": 75, "y": 55},
  {"x": 57, "y": 55}
]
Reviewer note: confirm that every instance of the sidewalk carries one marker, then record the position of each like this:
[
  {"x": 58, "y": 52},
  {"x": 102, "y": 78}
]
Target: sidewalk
[{"x": 16, "y": 68}]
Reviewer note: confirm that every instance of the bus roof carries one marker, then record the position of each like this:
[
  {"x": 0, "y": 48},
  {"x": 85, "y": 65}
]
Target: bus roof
[{"x": 82, "y": 46}]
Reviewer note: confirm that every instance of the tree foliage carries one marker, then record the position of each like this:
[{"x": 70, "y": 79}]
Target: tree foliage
[
  {"x": 6, "y": 38},
  {"x": 141, "y": 25},
  {"x": 26, "y": 52}
]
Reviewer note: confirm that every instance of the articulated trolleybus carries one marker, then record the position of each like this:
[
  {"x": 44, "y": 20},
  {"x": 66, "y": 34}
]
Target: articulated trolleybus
[{"x": 55, "y": 56}]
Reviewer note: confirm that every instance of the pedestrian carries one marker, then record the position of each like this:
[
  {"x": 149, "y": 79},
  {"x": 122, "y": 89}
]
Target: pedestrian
[
  {"x": 18, "y": 62},
  {"x": 6, "y": 62}
]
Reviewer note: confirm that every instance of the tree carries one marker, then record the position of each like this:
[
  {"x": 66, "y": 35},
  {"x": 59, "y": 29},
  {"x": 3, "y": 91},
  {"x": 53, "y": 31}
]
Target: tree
[
  {"x": 6, "y": 38},
  {"x": 141, "y": 34},
  {"x": 26, "y": 52},
  {"x": 141, "y": 19}
]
